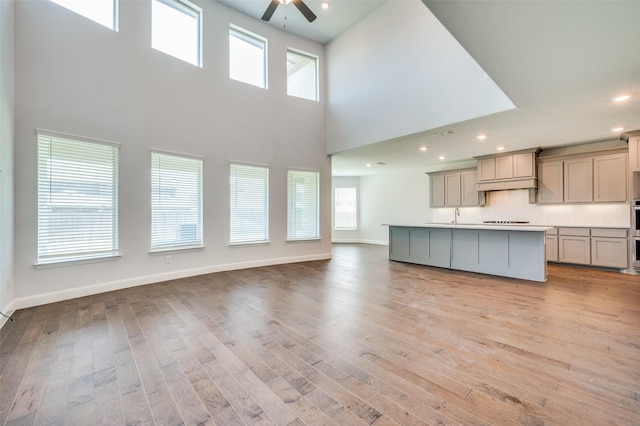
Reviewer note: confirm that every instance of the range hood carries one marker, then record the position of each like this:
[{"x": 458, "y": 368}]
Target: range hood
[
  {"x": 502, "y": 185},
  {"x": 509, "y": 170}
]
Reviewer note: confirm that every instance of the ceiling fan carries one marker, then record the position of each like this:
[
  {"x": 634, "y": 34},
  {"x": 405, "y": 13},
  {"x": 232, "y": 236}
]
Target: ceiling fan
[{"x": 303, "y": 8}]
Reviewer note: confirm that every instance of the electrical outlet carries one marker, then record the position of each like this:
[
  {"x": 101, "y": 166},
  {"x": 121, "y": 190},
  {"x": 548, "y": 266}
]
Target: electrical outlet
[{"x": 167, "y": 259}]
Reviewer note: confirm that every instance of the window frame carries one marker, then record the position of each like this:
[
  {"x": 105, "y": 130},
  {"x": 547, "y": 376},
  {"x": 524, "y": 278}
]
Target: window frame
[
  {"x": 187, "y": 8},
  {"x": 265, "y": 212},
  {"x": 61, "y": 258},
  {"x": 291, "y": 237},
  {"x": 316, "y": 62},
  {"x": 199, "y": 244},
  {"x": 335, "y": 209},
  {"x": 256, "y": 40}
]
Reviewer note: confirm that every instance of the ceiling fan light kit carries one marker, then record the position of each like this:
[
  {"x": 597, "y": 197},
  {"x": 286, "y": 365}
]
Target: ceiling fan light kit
[{"x": 302, "y": 7}]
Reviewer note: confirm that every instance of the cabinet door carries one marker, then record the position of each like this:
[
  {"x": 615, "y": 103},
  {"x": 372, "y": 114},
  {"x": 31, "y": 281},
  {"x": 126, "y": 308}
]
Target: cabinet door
[
  {"x": 550, "y": 185},
  {"x": 610, "y": 178},
  {"x": 398, "y": 243},
  {"x": 487, "y": 169},
  {"x": 452, "y": 187},
  {"x": 578, "y": 180},
  {"x": 468, "y": 191},
  {"x": 551, "y": 248},
  {"x": 634, "y": 154},
  {"x": 523, "y": 165},
  {"x": 504, "y": 167},
  {"x": 436, "y": 189},
  {"x": 573, "y": 249},
  {"x": 609, "y": 252}
]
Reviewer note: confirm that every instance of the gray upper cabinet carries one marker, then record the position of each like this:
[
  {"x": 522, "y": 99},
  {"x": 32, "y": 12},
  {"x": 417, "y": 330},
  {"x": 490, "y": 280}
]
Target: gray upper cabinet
[
  {"x": 550, "y": 183},
  {"x": 513, "y": 170},
  {"x": 468, "y": 189},
  {"x": 634, "y": 153},
  {"x": 578, "y": 180},
  {"x": 585, "y": 179},
  {"x": 487, "y": 169},
  {"x": 524, "y": 165},
  {"x": 436, "y": 190},
  {"x": 610, "y": 178},
  {"x": 504, "y": 167},
  {"x": 455, "y": 188},
  {"x": 452, "y": 186}
]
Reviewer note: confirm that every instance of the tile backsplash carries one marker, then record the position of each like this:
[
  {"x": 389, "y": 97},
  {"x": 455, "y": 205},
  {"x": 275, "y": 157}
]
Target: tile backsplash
[{"x": 514, "y": 205}]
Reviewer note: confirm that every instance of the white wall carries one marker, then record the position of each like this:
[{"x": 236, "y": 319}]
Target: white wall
[
  {"x": 391, "y": 198},
  {"x": 6, "y": 155},
  {"x": 383, "y": 82},
  {"x": 76, "y": 77}
]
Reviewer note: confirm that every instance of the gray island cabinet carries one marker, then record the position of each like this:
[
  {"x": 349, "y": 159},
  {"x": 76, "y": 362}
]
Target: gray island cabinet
[{"x": 514, "y": 251}]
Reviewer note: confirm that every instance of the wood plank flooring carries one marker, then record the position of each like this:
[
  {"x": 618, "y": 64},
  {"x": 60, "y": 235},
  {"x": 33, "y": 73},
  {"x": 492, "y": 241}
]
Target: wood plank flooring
[{"x": 350, "y": 341}]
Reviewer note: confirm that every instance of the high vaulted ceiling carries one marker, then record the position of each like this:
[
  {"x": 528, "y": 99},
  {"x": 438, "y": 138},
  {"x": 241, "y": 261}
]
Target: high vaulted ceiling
[{"x": 560, "y": 63}]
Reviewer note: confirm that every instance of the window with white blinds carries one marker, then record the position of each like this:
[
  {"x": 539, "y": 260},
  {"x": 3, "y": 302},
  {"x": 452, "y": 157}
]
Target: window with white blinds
[
  {"x": 345, "y": 208},
  {"x": 249, "y": 203},
  {"x": 176, "y": 201},
  {"x": 77, "y": 198},
  {"x": 303, "y": 205}
]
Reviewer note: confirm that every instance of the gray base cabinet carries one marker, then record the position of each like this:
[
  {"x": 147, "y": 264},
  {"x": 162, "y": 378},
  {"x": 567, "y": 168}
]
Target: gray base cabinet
[
  {"x": 515, "y": 254},
  {"x": 602, "y": 247},
  {"x": 425, "y": 246},
  {"x": 505, "y": 253}
]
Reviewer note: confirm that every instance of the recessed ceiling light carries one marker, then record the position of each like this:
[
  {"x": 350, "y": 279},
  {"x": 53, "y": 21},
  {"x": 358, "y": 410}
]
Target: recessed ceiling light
[
  {"x": 621, "y": 98},
  {"x": 500, "y": 148},
  {"x": 325, "y": 5},
  {"x": 481, "y": 137},
  {"x": 442, "y": 157},
  {"x": 423, "y": 148},
  {"x": 368, "y": 164},
  {"x": 617, "y": 129}
]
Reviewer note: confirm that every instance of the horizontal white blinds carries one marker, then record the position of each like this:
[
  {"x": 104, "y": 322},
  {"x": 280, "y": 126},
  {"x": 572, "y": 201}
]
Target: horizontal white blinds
[
  {"x": 176, "y": 201},
  {"x": 303, "y": 205},
  {"x": 77, "y": 199},
  {"x": 249, "y": 203}
]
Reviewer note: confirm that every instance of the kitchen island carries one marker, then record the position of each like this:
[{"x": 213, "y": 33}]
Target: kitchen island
[{"x": 516, "y": 251}]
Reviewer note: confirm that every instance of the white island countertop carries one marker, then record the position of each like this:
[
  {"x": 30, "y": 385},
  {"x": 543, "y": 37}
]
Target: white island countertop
[{"x": 484, "y": 226}]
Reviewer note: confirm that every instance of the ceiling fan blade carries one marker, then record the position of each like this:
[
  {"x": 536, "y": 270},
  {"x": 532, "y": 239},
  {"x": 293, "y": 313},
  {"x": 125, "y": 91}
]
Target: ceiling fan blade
[
  {"x": 304, "y": 9},
  {"x": 270, "y": 9}
]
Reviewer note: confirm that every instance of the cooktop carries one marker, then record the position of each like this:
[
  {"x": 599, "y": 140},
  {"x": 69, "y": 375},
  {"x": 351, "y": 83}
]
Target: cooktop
[{"x": 507, "y": 222}]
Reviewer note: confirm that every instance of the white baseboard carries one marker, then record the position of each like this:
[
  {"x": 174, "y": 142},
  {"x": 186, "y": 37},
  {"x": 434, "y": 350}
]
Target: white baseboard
[
  {"x": 359, "y": 241},
  {"x": 58, "y": 296},
  {"x": 7, "y": 310}
]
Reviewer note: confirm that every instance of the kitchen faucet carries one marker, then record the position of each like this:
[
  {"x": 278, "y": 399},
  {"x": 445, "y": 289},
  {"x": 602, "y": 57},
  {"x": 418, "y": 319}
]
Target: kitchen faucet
[{"x": 456, "y": 213}]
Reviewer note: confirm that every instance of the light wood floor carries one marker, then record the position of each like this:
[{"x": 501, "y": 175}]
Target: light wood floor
[{"x": 355, "y": 340}]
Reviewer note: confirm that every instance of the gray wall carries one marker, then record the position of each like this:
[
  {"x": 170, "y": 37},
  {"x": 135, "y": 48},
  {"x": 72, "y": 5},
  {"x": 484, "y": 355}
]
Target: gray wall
[
  {"x": 77, "y": 77},
  {"x": 7, "y": 96}
]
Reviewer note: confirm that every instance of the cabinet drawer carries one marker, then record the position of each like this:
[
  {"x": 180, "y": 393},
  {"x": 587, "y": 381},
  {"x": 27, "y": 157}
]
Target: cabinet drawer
[
  {"x": 553, "y": 231},
  {"x": 609, "y": 233},
  {"x": 577, "y": 232}
]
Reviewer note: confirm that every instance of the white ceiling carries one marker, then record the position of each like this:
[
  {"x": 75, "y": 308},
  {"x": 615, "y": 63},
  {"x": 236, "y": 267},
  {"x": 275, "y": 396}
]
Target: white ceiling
[
  {"x": 329, "y": 23},
  {"x": 560, "y": 63}
]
